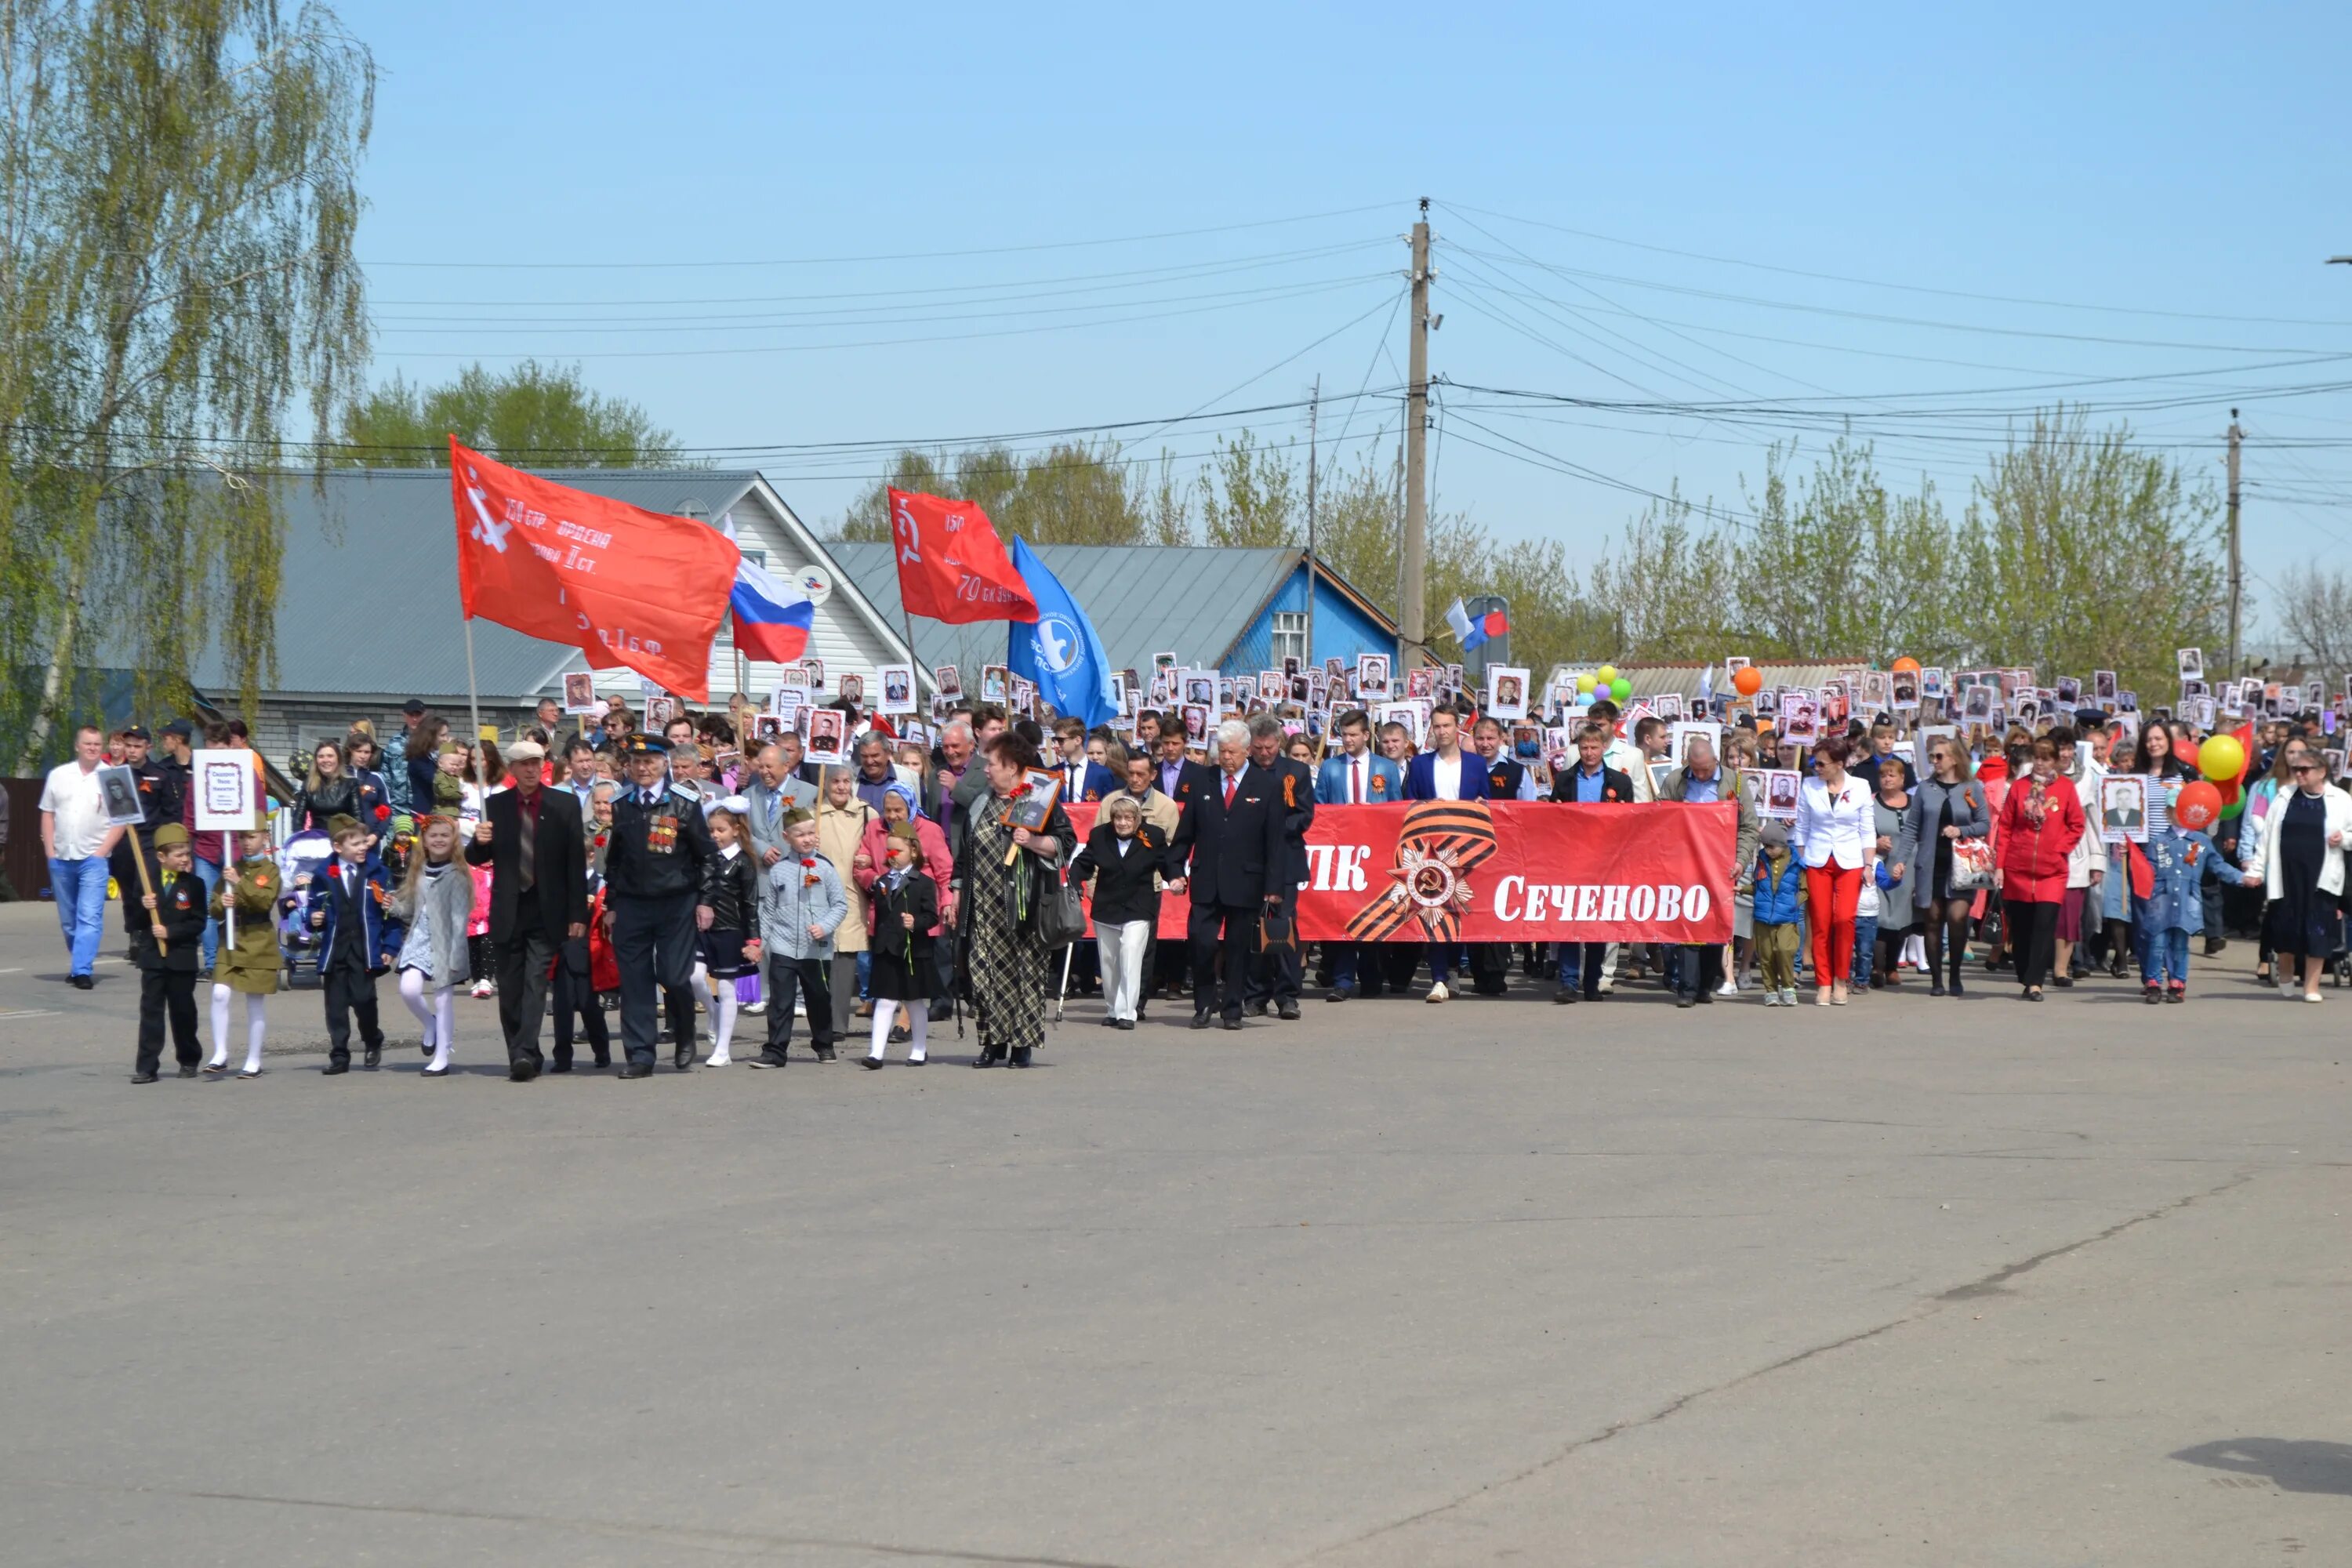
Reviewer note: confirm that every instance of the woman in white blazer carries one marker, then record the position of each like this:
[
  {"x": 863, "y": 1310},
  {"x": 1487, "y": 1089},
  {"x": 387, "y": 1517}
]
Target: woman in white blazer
[{"x": 1836, "y": 829}]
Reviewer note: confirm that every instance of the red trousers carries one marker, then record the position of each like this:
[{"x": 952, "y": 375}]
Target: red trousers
[{"x": 1831, "y": 893}]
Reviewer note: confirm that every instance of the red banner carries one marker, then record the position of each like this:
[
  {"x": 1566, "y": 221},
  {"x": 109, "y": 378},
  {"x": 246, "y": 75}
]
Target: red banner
[
  {"x": 1508, "y": 872},
  {"x": 624, "y": 585},
  {"x": 951, "y": 565}
]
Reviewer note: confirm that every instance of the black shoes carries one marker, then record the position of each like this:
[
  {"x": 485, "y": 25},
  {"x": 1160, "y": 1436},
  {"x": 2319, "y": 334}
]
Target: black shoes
[
  {"x": 825, "y": 1053},
  {"x": 87, "y": 983},
  {"x": 767, "y": 1059},
  {"x": 2152, "y": 995},
  {"x": 1122, "y": 1023},
  {"x": 870, "y": 1064},
  {"x": 1200, "y": 1020},
  {"x": 523, "y": 1071},
  {"x": 1233, "y": 1023},
  {"x": 146, "y": 1076},
  {"x": 1341, "y": 993},
  {"x": 1564, "y": 997},
  {"x": 1936, "y": 986},
  {"x": 636, "y": 1069},
  {"x": 1686, "y": 999},
  {"x": 334, "y": 1068},
  {"x": 435, "y": 1072},
  {"x": 989, "y": 1056},
  {"x": 1257, "y": 1009},
  {"x": 559, "y": 1067},
  {"x": 1020, "y": 1057},
  {"x": 187, "y": 1069},
  {"x": 683, "y": 1057},
  {"x": 1288, "y": 1008},
  {"x": 1705, "y": 997},
  {"x": 374, "y": 1059}
]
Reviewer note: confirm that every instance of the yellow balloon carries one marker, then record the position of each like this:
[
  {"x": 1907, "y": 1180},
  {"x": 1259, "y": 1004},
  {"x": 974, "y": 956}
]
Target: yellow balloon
[
  {"x": 1607, "y": 673},
  {"x": 1585, "y": 683},
  {"x": 2222, "y": 758}
]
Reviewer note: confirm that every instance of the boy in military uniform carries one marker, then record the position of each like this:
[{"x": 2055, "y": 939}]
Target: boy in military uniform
[
  {"x": 654, "y": 863},
  {"x": 165, "y": 950}
]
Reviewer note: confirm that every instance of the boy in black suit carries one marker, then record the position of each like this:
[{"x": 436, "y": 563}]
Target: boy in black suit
[
  {"x": 1229, "y": 845},
  {"x": 165, "y": 950},
  {"x": 356, "y": 942}
]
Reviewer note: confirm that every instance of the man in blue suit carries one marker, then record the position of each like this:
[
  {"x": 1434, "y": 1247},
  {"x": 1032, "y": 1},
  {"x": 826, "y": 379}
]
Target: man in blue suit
[
  {"x": 1445, "y": 771},
  {"x": 1081, "y": 780},
  {"x": 1358, "y": 776}
]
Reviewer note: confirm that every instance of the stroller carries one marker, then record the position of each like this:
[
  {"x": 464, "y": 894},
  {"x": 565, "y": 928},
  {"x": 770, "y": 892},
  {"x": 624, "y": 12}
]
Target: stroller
[{"x": 303, "y": 857}]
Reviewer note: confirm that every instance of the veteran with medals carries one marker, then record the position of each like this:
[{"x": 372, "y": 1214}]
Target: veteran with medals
[{"x": 653, "y": 879}]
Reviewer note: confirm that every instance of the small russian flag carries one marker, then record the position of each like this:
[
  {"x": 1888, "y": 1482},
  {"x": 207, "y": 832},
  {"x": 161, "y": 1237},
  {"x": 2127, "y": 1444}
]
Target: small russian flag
[
  {"x": 773, "y": 617},
  {"x": 1493, "y": 623}
]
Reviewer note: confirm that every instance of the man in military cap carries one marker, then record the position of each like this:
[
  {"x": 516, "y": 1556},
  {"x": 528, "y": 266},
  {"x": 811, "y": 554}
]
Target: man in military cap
[{"x": 653, "y": 878}]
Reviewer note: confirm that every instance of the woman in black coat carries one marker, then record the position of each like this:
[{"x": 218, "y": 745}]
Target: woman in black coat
[{"x": 1123, "y": 856}]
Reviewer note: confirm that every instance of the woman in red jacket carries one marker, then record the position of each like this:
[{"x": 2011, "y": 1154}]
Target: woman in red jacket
[{"x": 2041, "y": 821}]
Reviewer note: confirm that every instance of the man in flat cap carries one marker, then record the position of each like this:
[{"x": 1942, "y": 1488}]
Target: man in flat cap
[
  {"x": 654, "y": 865},
  {"x": 530, "y": 837}
]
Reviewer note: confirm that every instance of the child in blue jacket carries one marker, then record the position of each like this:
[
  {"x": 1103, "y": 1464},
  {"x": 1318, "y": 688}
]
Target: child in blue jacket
[
  {"x": 1779, "y": 906},
  {"x": 357, "y": 940},
  {"x": 2171, "y": 865}
]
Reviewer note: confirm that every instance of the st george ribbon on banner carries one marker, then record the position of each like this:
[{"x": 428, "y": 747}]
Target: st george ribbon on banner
[
  {"x": 625, "y": 587},
  {"x": 1059, "y": 651},
  {"x": 1476, "y": 871},
  {"x": 951, "y": 565}
]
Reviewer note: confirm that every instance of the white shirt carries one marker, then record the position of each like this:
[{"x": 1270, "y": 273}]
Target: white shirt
[
  {"x": 1445, "y": 776},
  {"x": 79, "y": 806},
  {"x": 1838, "y": 825}
]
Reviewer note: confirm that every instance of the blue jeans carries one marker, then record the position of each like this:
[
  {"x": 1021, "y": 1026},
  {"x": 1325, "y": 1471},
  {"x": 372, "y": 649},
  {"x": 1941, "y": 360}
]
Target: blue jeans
[
  {"x": 2163, "y": 955},
  {"x": 864, "y": 977},
  {"x": 1866, "y": 948},
  {"x": 79, "y": 888},
  {"x": 210, "y": 874}
]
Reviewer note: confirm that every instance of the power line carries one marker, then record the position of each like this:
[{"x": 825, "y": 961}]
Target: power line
[
  {"x": 897, "y": 255},
  {"x": 1906, "y": 287}
]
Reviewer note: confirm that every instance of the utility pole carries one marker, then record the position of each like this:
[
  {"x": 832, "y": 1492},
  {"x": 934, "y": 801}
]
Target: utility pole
[
  {"x": 1314, "y": 412},
  {"x": 2237, "y": 437},
  {"x": 1413, "y": 632}
]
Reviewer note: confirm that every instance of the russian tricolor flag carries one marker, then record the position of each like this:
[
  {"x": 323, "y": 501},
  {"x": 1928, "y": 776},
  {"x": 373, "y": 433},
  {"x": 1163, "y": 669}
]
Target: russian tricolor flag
[
  {"x": 1493, "y": 623},
  {"x": 773, "y": 617}
]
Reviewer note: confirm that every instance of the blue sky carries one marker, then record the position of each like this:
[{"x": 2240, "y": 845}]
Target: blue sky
[{"x": 2144, "y": 158}]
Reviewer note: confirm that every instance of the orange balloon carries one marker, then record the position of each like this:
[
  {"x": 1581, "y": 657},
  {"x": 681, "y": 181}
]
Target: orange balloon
[
  {"x": 1747, "y": 681},
  {"x": 1906, "y": 667},
  {"x": 2198, "y": 805}
]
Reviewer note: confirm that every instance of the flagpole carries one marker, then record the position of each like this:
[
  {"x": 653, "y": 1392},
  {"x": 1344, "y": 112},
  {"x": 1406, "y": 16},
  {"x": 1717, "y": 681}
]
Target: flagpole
[{"x": 474, "y": 706}]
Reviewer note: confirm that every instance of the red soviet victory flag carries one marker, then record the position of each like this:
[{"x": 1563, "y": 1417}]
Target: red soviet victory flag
[
  {"x": 951, "y": 565},
  {"x": 624, "y": 585}
]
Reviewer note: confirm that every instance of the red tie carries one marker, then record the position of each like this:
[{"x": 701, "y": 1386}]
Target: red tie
[
  {"x": 1356, "y": 783},
  {"x": 1229, "y": 790}
]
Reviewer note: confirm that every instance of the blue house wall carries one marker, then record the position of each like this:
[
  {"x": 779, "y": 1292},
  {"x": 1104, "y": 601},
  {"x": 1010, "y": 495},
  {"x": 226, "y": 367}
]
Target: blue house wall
[{"x": 1341, "y": 630}]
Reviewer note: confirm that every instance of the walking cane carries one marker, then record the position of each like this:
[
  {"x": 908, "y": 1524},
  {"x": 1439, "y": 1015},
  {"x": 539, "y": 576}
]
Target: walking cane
[{"x": 1067, "y": 953}]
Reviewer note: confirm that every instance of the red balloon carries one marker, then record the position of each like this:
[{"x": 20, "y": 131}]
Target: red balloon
[
  {"x": 1748, "y": 680},
  {"x": 2199, "y": 808}
]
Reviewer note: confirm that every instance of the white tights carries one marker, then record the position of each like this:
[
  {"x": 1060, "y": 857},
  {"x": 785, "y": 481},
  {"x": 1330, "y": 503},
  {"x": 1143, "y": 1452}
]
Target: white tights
[
  {"x": 723, "y": 1008},
  {"x": 919, "y": 1020},
  {"x": 440, "y": 1018},
  {"x": 253, "y": 1023}
]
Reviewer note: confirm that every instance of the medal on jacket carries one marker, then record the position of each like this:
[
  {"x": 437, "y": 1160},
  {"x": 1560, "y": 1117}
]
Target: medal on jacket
[{"x": 661, "y": 834}]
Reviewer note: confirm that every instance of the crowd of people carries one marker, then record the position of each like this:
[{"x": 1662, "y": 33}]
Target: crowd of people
[{"x": 688, "y": 880}]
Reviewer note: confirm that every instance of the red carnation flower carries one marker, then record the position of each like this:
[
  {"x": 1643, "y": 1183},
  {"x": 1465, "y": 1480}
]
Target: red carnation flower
[{"x": 384, "y": 813}]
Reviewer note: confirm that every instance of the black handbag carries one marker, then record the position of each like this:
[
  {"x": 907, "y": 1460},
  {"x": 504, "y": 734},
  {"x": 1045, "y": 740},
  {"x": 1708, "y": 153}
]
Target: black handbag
[{"x": 1061, "y": 916}]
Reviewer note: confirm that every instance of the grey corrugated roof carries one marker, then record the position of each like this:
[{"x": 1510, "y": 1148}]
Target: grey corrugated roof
[
  {"x": 1142, "y": 599},
  {"x": 369, "y": 603}
]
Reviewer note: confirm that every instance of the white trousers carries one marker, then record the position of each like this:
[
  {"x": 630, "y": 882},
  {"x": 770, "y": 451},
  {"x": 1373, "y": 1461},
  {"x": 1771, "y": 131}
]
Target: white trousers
[{"x": 1121, "y": 948}]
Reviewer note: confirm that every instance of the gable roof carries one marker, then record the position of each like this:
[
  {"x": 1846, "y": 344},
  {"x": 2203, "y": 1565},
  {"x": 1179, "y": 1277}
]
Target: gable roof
[
  {"x": 368, "y": 603},
  {"x": 1193, "y": 600}
]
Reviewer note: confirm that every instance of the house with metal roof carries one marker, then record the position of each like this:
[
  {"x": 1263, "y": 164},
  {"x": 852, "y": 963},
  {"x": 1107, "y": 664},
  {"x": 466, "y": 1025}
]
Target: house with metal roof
[
  {"x": 368, "y": 614},
  {"x": 1235, "y": 611}
]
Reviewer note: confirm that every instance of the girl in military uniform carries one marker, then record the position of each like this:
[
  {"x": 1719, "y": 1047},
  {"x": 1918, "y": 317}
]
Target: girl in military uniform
[{"x": 247, "y": 966}]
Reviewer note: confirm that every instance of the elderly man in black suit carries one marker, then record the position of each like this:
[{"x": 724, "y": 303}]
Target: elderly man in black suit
[
  {"x": 530, "y": 838},
  {"x": 1275, "y": 975},
  {"x": 1229, "y": 847}
]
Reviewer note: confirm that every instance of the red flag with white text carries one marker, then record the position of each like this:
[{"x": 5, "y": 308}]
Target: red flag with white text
[
  {"x": 626, "y": 586},
  {"x": 951, "y": 565}
]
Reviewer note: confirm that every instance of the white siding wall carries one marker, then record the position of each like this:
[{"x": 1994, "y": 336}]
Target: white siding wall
[{"x": 842, "y": 636}]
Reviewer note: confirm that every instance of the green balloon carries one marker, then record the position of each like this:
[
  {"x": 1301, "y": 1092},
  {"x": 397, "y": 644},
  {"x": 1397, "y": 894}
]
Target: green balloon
[{"x": 1620, "y": 689}]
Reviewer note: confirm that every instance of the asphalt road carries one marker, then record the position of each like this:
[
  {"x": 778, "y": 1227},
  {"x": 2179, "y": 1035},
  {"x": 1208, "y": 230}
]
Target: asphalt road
[{"x": 1907, "y": 1283}]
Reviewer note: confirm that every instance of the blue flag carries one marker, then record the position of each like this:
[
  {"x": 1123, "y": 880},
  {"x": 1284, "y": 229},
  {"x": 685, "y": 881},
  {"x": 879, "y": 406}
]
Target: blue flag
[{"x": 1060, "y": 652}]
